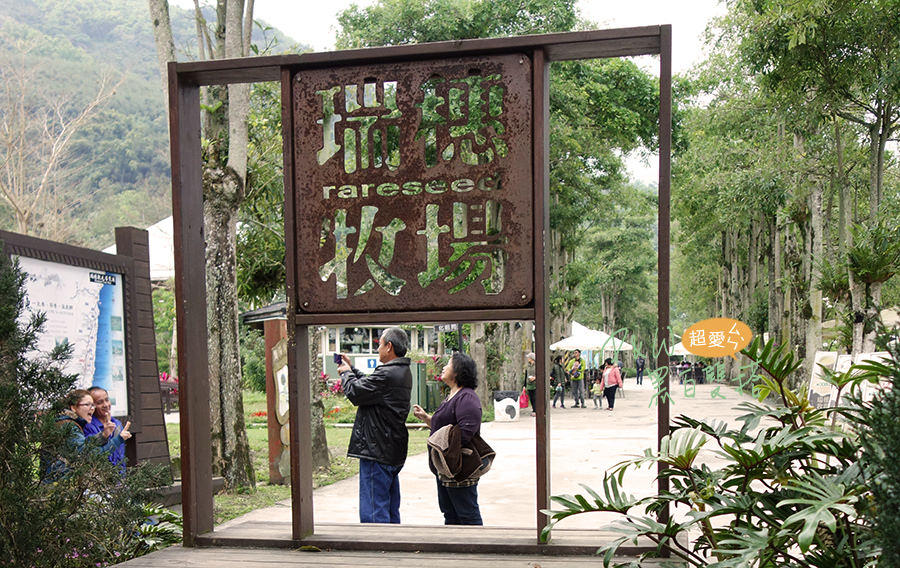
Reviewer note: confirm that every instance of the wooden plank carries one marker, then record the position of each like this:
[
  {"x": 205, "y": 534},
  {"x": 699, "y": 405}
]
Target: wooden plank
[
  {"x": 157, "y": 432},
  {"x": 264, "y": 558},
  {"x": 147, "y": 369},
  {"x": 153, "y": 419},
  {"x": 488, "y": 540},
  {"x": 149, "y": 387},
  {"x": 150, "y": 400},
  {"x": 560, "y": 46},
  {"x": 144, "y": 314},
  {"x": 154, "y": 449}
]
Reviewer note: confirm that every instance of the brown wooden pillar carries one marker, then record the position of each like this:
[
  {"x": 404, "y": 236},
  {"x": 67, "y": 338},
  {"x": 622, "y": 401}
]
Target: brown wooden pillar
[
  {"x": 273, "y": 331},
  {"x": 541, "y": 184},
  {"x": 190, "y": 307},
  {"x": 665, "y": 180}
]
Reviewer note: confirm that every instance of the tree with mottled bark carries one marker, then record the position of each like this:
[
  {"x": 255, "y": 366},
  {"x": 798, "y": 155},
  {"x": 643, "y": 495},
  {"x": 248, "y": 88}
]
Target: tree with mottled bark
[
  {"x": 225, "y": 139},
  {"x": 837, "y": 59}
]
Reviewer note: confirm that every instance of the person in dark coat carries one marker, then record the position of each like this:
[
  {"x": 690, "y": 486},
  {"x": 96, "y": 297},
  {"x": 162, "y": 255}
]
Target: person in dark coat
[{"x": 380, "y": 438}]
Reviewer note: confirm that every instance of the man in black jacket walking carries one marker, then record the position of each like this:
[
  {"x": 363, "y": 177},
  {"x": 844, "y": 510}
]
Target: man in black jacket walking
[{"x": 379, "y": 438}]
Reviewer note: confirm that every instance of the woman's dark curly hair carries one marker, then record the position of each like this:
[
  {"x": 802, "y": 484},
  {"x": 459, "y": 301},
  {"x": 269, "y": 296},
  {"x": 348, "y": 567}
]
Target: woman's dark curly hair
[{"x": 464, "y": 372}]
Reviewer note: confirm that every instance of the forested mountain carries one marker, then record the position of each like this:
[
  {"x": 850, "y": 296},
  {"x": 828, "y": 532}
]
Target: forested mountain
[{"x": 56, "y": 60}]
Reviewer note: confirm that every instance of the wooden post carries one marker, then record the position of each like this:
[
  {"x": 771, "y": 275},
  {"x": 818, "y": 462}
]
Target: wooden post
[
  {"x": 541, "y": 183},
  {"x": 274, "y": 331},
  {"x": 190, "y": 307},
  {"x": 665, "y": 179}
]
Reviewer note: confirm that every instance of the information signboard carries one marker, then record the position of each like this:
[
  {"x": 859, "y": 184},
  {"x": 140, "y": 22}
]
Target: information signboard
[{"x": 84, "y": 307}]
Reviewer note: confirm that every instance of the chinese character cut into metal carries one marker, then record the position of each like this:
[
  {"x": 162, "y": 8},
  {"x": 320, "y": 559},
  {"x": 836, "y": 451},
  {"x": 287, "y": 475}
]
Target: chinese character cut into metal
[{"x": 420, "y": 177}]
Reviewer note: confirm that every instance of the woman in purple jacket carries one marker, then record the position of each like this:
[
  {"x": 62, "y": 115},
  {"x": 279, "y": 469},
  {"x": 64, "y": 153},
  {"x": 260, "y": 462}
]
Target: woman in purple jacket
[{"x": 458, "y": 500}]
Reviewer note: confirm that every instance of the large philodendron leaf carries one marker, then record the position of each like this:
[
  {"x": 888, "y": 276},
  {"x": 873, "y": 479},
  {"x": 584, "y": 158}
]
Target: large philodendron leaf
[
  {"x": 825, "y": 497},
  {"x": 680, "y": 448},
  {"x": 612, "y": 500},
  {"x": 745, "y": 547}
]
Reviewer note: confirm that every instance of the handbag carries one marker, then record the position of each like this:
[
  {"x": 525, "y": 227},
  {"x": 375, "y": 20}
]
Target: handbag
[{"x": 523, "y": 399}]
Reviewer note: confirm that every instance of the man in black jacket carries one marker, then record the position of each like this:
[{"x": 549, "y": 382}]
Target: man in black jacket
[{"x": 379, "y": 438}]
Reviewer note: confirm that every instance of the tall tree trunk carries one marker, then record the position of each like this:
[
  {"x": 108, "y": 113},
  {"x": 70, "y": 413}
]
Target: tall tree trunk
[
  {"x": 223, "y": 191},
  {"x": 510, "y": 342},
  {"x": 857, "y": 307},
  {"x": 478, "y": 352},
  {"x": 230, "y": 448},
  {"x": 782, "y": 295},
  {"x": 321, "y": 457},
  {"x": 873, "y": 302},
  {"x": 165, "y": 43},
  {"x": 753, "y": 259},
  {"x": 845, "y": 207},
  {"x": 814, "y": 254},
  {"x": 772, "y": 277},
  {"x": 879, "y": 133}
]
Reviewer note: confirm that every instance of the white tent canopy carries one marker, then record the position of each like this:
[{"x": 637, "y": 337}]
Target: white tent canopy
[
  {"x": 679, "y": 349},
  {"x": 162, "y": 250},
  {"x": 586, "y": 339}
]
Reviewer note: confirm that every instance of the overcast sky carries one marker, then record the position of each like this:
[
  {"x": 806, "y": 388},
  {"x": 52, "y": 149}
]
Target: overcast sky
[{"x": 313, "y": 22}]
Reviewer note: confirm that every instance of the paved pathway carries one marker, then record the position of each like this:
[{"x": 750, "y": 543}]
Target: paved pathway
[{"x": 584, "y": 443}]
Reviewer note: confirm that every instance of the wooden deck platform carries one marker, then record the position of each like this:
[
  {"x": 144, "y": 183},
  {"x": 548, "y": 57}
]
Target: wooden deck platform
[
  {"x": 261, "y": 544},
  {"x": 271, "y": 558}
]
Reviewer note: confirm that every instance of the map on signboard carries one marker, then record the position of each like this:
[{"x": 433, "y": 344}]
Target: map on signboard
[{"x": 85, "y": 308}]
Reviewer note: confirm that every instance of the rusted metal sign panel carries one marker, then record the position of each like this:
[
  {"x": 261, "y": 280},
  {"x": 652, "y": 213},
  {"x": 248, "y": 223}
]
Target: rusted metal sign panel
[{"x": 413, "y": 186}]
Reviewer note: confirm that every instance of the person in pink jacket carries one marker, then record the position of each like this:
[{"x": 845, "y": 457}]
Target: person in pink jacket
[{"x": 612, "y": 380}]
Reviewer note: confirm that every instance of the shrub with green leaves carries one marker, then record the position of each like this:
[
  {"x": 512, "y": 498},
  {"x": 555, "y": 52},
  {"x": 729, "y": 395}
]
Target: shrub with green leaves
[
  {"x": 879, "y": 421},
  {"x": 92, "y": 516},
  {"x": 794, "y": 490}
]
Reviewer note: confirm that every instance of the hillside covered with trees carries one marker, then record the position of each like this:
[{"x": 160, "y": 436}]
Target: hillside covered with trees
[{"x": 84, "y": 146}]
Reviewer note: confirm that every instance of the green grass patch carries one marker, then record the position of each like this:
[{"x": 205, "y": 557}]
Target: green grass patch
[{"x": 228, "y": 506}]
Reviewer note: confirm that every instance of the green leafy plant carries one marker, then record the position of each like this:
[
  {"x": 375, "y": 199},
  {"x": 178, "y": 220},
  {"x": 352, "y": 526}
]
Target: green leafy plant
[
  {"x": 794, "y": 490},
  {"x": 162, "y": 527},
  {"x": 86, "y": 518},
  {"x": 879, "y": 420}
]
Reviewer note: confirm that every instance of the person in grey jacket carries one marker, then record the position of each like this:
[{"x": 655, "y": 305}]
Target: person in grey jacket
[{"x": 380, "y": 438}]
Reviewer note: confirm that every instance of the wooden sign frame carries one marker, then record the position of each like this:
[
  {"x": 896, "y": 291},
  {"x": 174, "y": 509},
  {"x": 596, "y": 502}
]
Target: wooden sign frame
[{"x": 185, "y": 80}]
